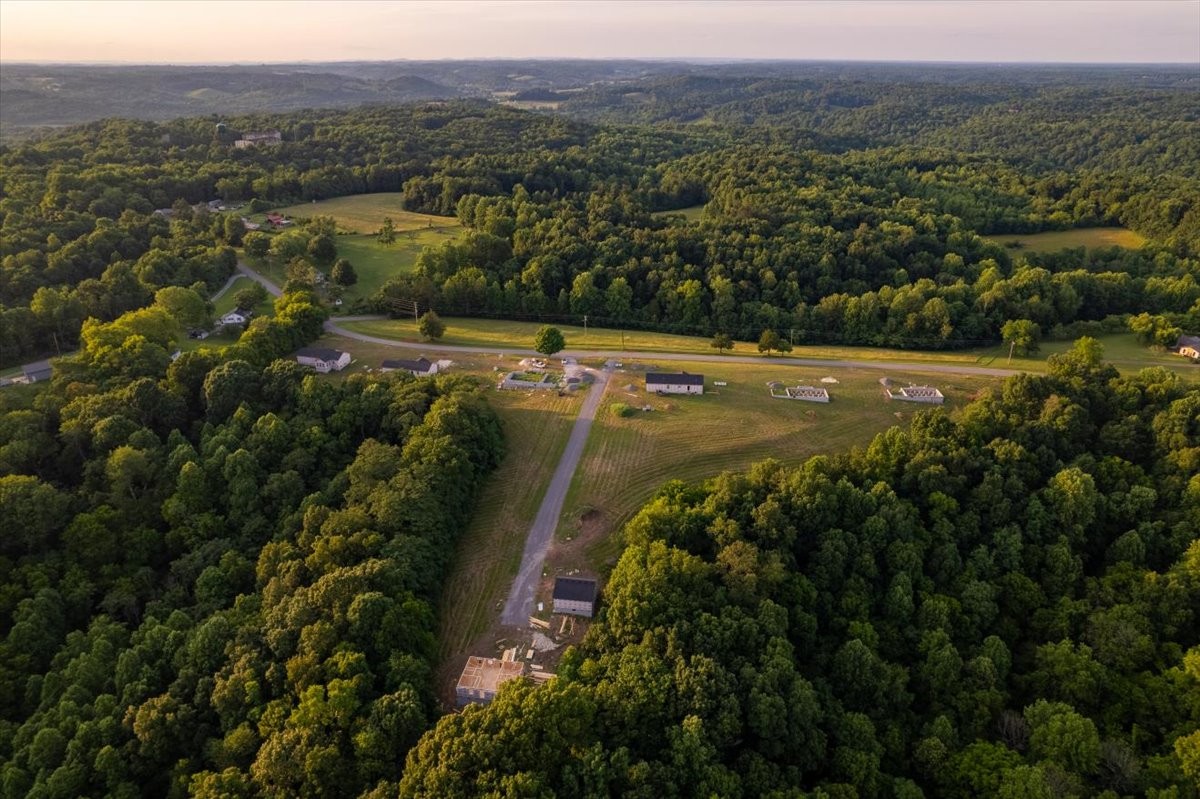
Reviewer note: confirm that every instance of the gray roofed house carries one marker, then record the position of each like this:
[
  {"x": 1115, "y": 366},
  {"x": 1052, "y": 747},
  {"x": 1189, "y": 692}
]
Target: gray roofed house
[
  {"x": 421, "y": 367},
  {"x": 668, "y": 383},
  {"x": 322, "y": 359},
  {"x": 35, "y": 372},
  {"x": 575, "y": 595},
  {"x": 1188, "y": 346}
]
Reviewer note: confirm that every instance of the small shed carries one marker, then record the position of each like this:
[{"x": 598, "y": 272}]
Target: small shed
[
  {"x": 575, "y": 596},
  {"x": 925, "y": 394}
]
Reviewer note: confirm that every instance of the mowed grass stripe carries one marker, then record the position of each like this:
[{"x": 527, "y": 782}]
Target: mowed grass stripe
[{"x": 536, "y": 428}]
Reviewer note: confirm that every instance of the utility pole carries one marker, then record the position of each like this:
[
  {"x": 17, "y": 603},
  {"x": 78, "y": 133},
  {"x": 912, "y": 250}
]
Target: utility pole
[
  {"x": 792, "y": 336},
  {"x": 585, "y": 325},
  {"x": 622, "y": 340},
  {"x": 1011, "y": 344}
]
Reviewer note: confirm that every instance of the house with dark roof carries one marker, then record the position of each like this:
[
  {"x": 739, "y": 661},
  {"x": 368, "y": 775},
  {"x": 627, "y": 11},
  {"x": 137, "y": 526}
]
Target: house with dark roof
[
  {"x": 1188, "y": 347},
  {"x": 421, "y": 367},
  {"x": 322, "y": 359},
  {"x": 667, "y": 383},
  {"x": 575, "y": 595}
]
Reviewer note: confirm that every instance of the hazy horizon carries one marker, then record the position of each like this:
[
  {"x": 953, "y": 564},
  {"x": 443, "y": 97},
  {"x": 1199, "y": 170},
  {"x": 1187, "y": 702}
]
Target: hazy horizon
[{"x": 187, "y": 33}]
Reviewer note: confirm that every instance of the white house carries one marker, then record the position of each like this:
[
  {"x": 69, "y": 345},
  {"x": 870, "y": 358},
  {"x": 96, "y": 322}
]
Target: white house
[
  {"x": 323, "y": 360},
  {"x": 682, "y": 383},
  {"x": 1188, "y": 346},
  {"x": 234, "y": 318},
  {"x": 421, "y": 367},
  {"x": 575, "y": 595}
]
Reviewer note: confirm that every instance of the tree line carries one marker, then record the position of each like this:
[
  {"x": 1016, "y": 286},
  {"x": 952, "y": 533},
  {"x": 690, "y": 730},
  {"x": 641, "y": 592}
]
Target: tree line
[{"x": 219, "y": 571}]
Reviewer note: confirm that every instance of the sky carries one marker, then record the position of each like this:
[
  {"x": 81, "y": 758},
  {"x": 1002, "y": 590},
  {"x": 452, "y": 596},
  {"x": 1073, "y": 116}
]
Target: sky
[{"x": 258, "y": 31}]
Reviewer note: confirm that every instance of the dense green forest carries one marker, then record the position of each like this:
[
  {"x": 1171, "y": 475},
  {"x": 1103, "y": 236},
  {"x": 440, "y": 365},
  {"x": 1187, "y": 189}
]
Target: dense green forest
[
  {"x": 218, "y": 571},
  {"x": 1000, "y": 604},
  {"x": 847, "y": 211}
]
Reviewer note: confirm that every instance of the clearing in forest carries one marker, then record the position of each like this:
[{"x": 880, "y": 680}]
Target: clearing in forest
[
  {"x": 728, "y": 428},
  {"x": 536, "y": 428},
  {"x": 364, "y": 213},
  {"x": 1091, "y": 238}
]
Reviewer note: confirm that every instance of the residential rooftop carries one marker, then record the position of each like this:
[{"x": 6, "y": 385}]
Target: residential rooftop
[{"x": 669, "y": 378}]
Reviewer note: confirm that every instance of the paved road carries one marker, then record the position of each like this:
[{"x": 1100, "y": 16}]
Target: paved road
[
  {"x": 235, "y": 277},
  {"x": 271, "y": 288},
  {"x": 519, "y": 605},
  {"x": 332, "y": 326}
]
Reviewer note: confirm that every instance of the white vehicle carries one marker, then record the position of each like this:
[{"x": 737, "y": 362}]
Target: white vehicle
[{"x": 537, "y": 363}]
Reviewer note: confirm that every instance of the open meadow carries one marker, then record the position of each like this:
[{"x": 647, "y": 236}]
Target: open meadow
[
  {"x": 691, "y": 214},
  {"x": 364, "y": 213},
  {"x": 690, "y": 438},
  {"x": 1091, "y": 238}
]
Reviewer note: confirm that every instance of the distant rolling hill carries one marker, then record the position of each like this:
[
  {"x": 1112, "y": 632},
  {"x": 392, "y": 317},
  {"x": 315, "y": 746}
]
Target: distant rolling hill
[{"x": 35, "y": 95}]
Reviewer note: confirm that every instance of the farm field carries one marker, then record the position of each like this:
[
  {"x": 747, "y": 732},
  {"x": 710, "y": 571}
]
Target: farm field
[
  {"x": 376, "y": 263},
  {"x": 691, "y": 438},
  {"x": 1090, "y": 238},
  {"x": 364, "y": 213}
]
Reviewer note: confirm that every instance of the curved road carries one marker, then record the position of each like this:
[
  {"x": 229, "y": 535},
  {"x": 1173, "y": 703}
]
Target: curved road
[
  {"x": 519, "y": 605},
  {"x": 332, "y": 326}
]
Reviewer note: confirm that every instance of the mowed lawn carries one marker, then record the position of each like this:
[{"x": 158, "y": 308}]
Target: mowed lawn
[
  {"x": 376, "y": 263},
  {"x": 364, "y": 213},
  {"x": 1090, "y": 238},
  {"x": 627, "y": 459}
]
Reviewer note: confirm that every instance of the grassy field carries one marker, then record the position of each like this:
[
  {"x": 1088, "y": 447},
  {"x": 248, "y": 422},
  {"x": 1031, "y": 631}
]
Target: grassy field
[
  {"x": 374, "y": 263},
  {"x": 226, "y": 302},
  {"x": 730, "y": 427},
  {"x": 1091, "y": 238},
  {"x": 1121, "y": 349},
  {"x": 692, "y": 213},
  {"x": 536, "y": 428},
  {"x": 627, "y": 459},
  {"x": 364, "y": 213}
]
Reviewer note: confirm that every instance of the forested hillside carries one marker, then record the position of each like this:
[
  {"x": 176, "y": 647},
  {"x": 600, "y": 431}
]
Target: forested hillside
[
  {"x": 218, "y": 574},
  {"x": 858, "y": 246},
  {"x": 999, "y": 604}
]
